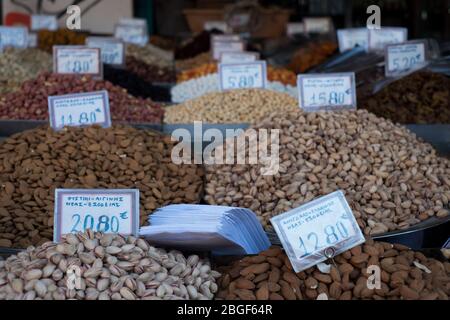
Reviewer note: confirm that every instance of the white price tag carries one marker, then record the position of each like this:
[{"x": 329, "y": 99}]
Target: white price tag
[
  {"x": 401, "y": 58},
  {"x": 350, "y": 38},
  {"x": 294, "y": 28},
  {"x": 379, "y": 38},
  {"x": 81, "y": 109},
  {"x": 226, "y": 46},
  {"x": 238, "y": 57},
  {"x": 16, "y": 37},
  {"x": 134, "y": 34},
  {"x": 44, "y": 22},
  {"x": 133, "y": 22},
  {"x": 243, "y": 75},
  {"x": 318, "y": 24},
  {"x": 100, "y": 210},
  {"x": 32, "y": 40},
  {"x": 112, "y": 49},
  {"x": 77, "y": 60},
  {"x": 218, "y": 25},
  {"x": 327, "y": 91},
  {"x": 318, "y": 230}
]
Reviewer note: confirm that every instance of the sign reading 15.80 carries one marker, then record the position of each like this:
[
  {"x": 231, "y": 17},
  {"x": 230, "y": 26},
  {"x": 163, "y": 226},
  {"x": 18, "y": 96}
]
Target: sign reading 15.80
[{"x": 243, "y": 75}]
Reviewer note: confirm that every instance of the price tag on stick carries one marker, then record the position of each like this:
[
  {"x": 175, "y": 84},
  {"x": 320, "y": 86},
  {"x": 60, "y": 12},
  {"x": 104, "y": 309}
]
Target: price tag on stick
[
  {"x": 243, "y": 75},
  {"x": 402, "y": 58},
  {"x": 81, "y": 109},
  {"x": 44, "y": 22},
  {"x": 327, "y": 91},
  {"x": 77, "y": 60},
  {"x": 15, "y": 37},
  {"x": 318, "y": 230},
  {"x": 379, "y": 38},
  {"x": 112, "y": 49},
  {"x": 100, "y": 210}
]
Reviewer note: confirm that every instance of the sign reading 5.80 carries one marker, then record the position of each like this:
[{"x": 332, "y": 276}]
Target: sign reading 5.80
[
  {"x": 243, "y": 75},
  {"x": 77, "y": 60}
]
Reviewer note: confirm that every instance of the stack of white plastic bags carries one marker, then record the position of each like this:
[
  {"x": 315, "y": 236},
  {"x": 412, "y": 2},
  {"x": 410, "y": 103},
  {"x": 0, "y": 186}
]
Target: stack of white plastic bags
[{"x": 219, "y": 229}]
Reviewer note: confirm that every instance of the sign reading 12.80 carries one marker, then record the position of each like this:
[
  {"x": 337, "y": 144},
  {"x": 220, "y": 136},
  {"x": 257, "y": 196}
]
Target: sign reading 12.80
[
  {"x": 318, "y": 230},
  {"x": 81, "y": 109},
  {"x": 243, "y": 75},
  {"x": 108, "y": 211},
  {"x": 328, "y": 91},
  {"x": 77, "y": 60}
]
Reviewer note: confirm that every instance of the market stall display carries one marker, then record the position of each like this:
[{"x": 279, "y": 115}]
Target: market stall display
[
  {"x": 234, "y": 106},
  {"x": 391, "y": 179},
  {"x": 311, "y": 55},
  {"x": 150, "y": 73},
  {"x": 151, "y": 55},
  {"x": 194, "y": 62},
  {"x": 35, "y": 162},
  {"x": 405, "y": 275},
  {"x": 114, "y": 267},
  {"x": 47, "y": 39},
  {"x": 30, "y": 102}
]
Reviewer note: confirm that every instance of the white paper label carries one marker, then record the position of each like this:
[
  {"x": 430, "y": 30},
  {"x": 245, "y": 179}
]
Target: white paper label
[
  {"x": 218, "y": 25},
  {"x": 77, "y": 60},
  {"x": 32, "y": 40},
  {"x": 243, "y": 75},
  {"x": 317, "y": 25},
  {"x": 100, "y": 210},
  {"x": 327, "y": 91},
  {"x": 81, "y": 109},
  {"x": 44, "y": 22},
  {"x": 113, "y": 50},
  {"x": 379, "y": 38},
  {"x": 350, "y": 38},
  {"x": 16, "y": 37},
  {"x": 318, "y": 230},
  {"x": 226, "y": 46},
  {"x": 295, "y": 28},
  {"x": 134, "y": 34},
  {"x": 401, "y": 58},
  {"x": 238, "y": 57}
]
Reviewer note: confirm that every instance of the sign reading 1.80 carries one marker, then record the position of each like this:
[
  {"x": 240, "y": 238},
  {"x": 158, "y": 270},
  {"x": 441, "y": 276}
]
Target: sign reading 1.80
[{"x": 243, "y": 75}]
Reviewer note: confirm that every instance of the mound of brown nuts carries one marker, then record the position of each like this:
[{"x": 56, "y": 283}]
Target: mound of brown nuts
[
  {"x": 47, "y": 39},
  {"x": 31, "y": 101},
  {"x": 33, "y": 163},
  {"x": 404, "y": 274},
  {"x": 96, "y": 266},
  {"x": 391, "y": 179}
]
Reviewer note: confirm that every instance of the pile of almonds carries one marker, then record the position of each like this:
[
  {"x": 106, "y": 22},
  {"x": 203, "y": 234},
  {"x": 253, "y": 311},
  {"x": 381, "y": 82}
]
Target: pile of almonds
[
  {"x": 233, "y": 106},
  {"x": 391, "y": 179},
  {"x": 33, "y": 163},
  {"x": 31, "y": 101},
  {"x": 404, "y": 274},
  {"x": 96, "y": 266}
]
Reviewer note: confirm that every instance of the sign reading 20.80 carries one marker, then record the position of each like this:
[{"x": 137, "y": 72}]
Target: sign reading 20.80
[{"x": 243, "y": 75}]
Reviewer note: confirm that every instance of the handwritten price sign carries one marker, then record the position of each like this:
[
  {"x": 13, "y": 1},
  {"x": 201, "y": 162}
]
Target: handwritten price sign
[
  {"x": 77, "y": 60},
  {"x": 102, "y": 210},
  {"x": 401, "y": 58},
  {"x": 318, "y": 230},
  {"x": 243, "y": 75}
]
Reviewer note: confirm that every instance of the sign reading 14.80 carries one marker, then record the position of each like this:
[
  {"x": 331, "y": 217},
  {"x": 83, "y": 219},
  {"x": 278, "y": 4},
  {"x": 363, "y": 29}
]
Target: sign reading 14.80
[
  {"x": 327, "y": 91},
  {"x": 318, "y": 230},
  {"x": 108, "y": 211},
  {"x": 243, "y": 75},
  {"x": 81, "y": 109},
  {"x": 77, "y": 60}
]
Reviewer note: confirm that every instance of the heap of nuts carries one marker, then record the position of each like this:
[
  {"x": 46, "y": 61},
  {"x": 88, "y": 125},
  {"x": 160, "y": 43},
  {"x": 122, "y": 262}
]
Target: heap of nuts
[
  {"x": 404, "y": 274},
  {"x": 96, "y": 266},
  {"x": 151, "y": 55},
  {"x": 194, "y": 62},
  {"x": 20, "y": 65},
  {"x": 33, "y": 163},
  {"x": 311, "y": 55},
  {"x": 47, "y": 39},
  {"x": 30, "y": 102},
  {"x": 422, "y": 97},
  {"x": 150, "y": 73},
  {"x": 391, "y": 179},
  {"x": 234, "y": 106}
]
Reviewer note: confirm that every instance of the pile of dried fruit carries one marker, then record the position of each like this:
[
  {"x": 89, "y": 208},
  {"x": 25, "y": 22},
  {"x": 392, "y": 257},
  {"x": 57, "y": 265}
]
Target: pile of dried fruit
[
  {"x": 391, "y": 179},
  {"x": 35, "y": 162},
  {"x": 311, "y": 55},
  {"x": 150, "y": 73},
  {"x": 18, "y": 66},
  {"x": 235, "y": 106},
  {"x": 30, "y": 102},
  {"x": 405, "y": 274},
  {"x": 47, "y": 39},
  {"x": 422, "y": 97},
  {"x": 273, "y": 74},
  {"x": 112, "y": 267},
  {"x": 151, "y": 55}
]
